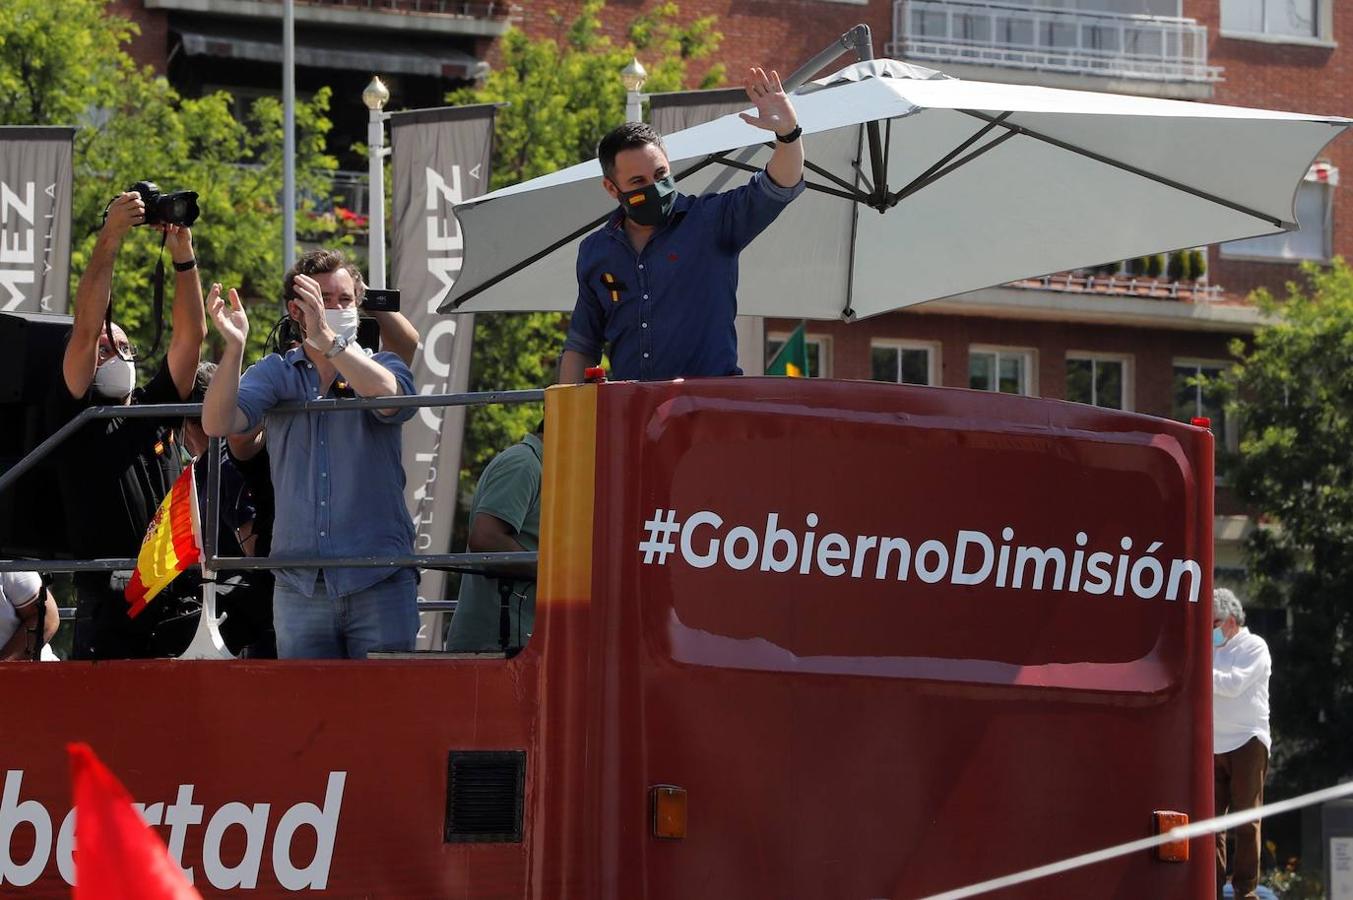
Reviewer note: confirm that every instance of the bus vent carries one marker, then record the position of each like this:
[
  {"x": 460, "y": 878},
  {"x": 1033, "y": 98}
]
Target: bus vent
[{"x": 484, "y": 791}]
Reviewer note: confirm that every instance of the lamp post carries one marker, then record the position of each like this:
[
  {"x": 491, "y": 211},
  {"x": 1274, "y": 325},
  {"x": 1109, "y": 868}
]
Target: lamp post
[
  {"x": 633, "y": 77},
  {"x": 288, "y": 135},
  {"x": 375, "y": 96}
]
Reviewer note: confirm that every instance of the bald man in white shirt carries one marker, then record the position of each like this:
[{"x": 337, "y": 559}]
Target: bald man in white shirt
[{"x": 1240, "y": 734}]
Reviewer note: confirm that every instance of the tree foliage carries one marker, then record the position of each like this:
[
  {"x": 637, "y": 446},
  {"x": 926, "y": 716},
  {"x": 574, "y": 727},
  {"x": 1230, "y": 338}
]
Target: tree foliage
[
  {"x": 66, "y": 64},
  {"x": 1293, "y": 391},
  {"x": 561, "y": 94}
]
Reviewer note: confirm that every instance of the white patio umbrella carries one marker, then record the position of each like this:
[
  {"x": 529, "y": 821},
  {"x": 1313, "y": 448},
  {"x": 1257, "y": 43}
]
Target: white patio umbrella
[{"x": 969, "y": 185}]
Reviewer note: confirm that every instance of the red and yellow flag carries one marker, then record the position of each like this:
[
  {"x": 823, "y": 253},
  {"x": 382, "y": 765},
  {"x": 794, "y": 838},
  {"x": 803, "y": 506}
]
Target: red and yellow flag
[{"x": 173, "y": 542}]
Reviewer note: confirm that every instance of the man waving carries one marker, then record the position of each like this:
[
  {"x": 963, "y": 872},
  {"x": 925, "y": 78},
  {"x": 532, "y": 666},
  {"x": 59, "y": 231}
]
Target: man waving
[{"x": 657, "y": 284}]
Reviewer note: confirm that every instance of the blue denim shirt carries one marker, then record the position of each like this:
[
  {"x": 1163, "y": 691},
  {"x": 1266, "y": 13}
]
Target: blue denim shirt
[
  {"x": 668, "y": 312},
  {"x": 338, "y": 477}
]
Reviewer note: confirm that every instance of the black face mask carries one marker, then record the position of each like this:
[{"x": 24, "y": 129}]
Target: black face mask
[{"x": 651, "y": 206}]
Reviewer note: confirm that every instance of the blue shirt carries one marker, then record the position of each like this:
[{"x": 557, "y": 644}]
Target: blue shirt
[
  {"x": 668, "y": 312},
  {"x": 338, "y": 476}
]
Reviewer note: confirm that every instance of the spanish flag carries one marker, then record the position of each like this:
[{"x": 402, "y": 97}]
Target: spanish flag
[
  {"x": 792, "y": 360},
  {"x": 173, "y": 543}
]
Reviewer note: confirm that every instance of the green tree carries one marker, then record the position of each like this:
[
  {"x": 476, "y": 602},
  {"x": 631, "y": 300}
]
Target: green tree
[
  {"x": 1293, "y": 392},
  {"x": 65, "y": 64},
  {"x": 562, "y": 94}
]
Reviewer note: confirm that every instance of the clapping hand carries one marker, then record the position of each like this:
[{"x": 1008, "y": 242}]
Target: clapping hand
[{"x": 231, "y": 321}]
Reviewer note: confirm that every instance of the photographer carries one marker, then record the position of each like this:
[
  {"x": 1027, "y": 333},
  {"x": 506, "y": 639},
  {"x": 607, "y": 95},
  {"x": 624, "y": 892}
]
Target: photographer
[{"x": 114, "y": 472}]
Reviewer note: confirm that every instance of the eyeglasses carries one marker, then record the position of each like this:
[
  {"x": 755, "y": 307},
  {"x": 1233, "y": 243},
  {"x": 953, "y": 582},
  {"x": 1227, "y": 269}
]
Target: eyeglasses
[{"x": 123, "y": 350}]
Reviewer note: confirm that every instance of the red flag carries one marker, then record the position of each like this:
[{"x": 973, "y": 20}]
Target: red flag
[{"x": 117, "y": 855}]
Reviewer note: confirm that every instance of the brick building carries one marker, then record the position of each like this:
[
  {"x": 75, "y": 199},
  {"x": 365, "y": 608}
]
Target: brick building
[{"x": 1097, "y": 337}]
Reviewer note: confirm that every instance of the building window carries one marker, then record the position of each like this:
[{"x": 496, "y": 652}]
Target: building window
[
  {"x": 1278, "y": 18},
  {"x": 1315, "y": 213},
  {"x": 1192, "y": 400},
  {"x": 1000, "y": 369},
  {"x": 1097, "y": 381},
  {"x": 903, "y": 363},
  {"x": 819, "y": 352}
]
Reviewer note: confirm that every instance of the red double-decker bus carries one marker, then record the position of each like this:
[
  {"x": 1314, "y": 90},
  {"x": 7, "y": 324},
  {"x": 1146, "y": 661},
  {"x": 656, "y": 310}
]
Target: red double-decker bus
[{"x": 794, "y": 639}]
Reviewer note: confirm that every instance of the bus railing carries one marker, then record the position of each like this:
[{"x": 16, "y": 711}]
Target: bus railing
[{"x": 488, "y": 564}]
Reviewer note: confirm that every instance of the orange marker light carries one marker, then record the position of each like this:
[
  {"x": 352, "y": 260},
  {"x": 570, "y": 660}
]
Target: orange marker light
[
  {"x": 1174, "y": 851},
  {"x": 669, "y": 811}
]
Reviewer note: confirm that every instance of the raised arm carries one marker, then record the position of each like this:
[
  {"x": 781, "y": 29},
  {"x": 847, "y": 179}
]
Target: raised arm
[
  {"x": 221, "y": 414},
  {"x": 94, "y": 291},
  {"x": 190, "y": 318},
  {"x": 775, "y": 113},
  {"x": 397, "y": 334}
]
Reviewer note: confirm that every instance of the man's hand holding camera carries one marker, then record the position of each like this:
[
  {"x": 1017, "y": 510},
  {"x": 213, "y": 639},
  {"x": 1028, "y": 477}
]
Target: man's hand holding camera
[{"x": 125, "y": 212}]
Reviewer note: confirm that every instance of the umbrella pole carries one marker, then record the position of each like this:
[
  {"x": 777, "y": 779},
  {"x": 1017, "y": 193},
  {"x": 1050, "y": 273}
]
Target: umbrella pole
[{"x": 860, "y": 40}]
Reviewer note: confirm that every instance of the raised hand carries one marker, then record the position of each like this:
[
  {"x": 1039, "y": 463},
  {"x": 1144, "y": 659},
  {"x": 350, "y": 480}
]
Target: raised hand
[
  {"x": 179, "y": 240},
  {"x": 774, "y": 112},
  {"x": 123, "y": 213},
  {"x": 310, "y": 299},
  {"x": 231, "y": 321}
]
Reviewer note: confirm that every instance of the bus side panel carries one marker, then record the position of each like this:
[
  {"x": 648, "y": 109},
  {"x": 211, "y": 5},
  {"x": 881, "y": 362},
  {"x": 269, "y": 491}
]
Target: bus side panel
[{"x": 893, "y": 641}]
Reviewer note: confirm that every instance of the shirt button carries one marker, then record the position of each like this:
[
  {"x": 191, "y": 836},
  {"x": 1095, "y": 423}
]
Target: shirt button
[
  {"x": 641, "y": 265},
  {"x": 323, "y": 533},
  {"x": 324, "y": 503},
  {"x": 645, "y": 296},
  {"x": 645, "y": 356},
  {"x": 643, "y": 324},
  {"x": 323, "y": 474}
]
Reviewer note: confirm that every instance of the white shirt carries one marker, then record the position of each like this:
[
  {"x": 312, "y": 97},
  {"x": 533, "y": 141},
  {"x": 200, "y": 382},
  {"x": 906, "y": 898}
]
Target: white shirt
[
  {"x": 1240, "y": 671},
  {"x": 17, "y": 590}
]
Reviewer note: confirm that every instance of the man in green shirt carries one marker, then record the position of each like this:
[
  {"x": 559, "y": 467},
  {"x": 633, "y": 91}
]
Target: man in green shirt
[{"x": 504, "y": 517}]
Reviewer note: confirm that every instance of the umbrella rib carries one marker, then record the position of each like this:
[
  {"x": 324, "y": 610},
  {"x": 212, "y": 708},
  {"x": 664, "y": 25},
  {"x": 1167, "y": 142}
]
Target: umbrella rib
[
  {"x": 854, "y": 197},
  {"x": 536, "y": 257},
  {"x": 1129, "y": 168},
  {"x": 916, "y": 183},
  {"x": 815, "y": 168},
  {"x": 923, "y": 182}
]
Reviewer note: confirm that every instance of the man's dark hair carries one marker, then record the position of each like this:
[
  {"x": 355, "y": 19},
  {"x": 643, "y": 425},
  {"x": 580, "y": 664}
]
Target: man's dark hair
[
  {"x": 626, "y": 137},
  {"x": 201, "y": 381},
  {"x": 322, "y": 262}
]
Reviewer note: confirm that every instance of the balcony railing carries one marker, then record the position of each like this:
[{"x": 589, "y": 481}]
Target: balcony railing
[
  {"x": 1012, "y": 35},
  {"x": 481, "y": 9}
]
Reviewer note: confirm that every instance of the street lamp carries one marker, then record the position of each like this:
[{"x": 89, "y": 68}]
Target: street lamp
[
  {"x": 375, "y": 96},
  {"x": 633, "y": 76}
]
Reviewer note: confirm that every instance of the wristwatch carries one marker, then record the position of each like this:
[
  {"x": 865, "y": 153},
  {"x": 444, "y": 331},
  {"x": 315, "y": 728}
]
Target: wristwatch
[
  {"x": 791, "y": 137},
  {"x": 339, "y": 345}
]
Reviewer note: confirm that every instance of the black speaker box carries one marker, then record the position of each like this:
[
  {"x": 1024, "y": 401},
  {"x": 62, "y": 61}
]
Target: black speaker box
[{"x": 31, "y": 518}]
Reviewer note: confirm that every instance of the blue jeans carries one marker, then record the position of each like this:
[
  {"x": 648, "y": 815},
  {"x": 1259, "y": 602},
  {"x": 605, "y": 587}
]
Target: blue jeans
[{"x": 381, "y": 617}]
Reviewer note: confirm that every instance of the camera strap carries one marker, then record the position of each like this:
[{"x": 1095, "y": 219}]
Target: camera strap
[{"x": 157, "y": 282}]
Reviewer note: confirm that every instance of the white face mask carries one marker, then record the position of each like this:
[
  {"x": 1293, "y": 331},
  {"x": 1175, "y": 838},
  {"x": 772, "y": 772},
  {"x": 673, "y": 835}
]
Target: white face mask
[
  {"x": 343, "y": 322},
  {"x": 115, "y": 379}
]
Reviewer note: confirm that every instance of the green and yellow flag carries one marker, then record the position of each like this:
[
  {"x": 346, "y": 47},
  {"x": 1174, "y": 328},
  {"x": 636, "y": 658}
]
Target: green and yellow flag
[{"x": 792, "y": 360}]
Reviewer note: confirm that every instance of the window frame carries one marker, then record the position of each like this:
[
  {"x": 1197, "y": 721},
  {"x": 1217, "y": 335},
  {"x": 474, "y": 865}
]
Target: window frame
[
  {"x": 1230, "y": 439},
  {"x": 1030, "y": 355},
  {"x": 1324, "y": 27},
  {"x": 932, "y": 349},
  {"x": 1095, "y": 356},
  {"x": 1329, "y": 182}
]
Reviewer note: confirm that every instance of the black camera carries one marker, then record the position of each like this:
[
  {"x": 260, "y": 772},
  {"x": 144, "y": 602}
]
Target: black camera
[
  {"x": 381, "y": 300},
  {"x": 172, "y": 208}
]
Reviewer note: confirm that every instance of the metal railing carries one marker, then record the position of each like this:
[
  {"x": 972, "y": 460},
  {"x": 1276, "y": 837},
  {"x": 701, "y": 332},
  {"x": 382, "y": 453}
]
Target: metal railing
[
  {"x": 1019, "y": 36},
  {"x": 490, "y": 564}
]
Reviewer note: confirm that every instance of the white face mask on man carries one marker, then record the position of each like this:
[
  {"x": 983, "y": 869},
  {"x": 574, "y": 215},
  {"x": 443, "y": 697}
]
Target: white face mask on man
[
  {"x": 343, "y": 322},
  {"x": 115, "y": 379}
]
